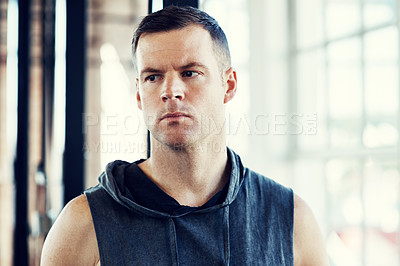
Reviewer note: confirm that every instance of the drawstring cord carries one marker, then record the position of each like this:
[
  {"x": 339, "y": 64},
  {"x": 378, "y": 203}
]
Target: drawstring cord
[
  {"x": 226, "y": 236},
  {"x": 174, "y": 248}
]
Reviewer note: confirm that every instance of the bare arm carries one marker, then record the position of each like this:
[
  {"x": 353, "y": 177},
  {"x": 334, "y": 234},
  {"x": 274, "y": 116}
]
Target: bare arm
[
  {"x": 72, "y": 239},
  {"x": 309, "y": 246}
]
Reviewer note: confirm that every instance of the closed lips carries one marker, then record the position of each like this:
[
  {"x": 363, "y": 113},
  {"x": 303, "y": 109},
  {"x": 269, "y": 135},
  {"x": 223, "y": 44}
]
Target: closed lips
[{"x": 172, "y": 115}]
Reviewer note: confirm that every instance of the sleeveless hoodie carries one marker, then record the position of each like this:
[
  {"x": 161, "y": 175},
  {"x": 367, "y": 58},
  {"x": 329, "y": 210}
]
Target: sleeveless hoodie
[{"x": 253, "y": 226}]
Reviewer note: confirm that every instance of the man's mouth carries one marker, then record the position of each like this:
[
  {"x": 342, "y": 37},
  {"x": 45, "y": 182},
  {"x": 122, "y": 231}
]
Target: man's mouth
[{"x": 174, "y": 116}]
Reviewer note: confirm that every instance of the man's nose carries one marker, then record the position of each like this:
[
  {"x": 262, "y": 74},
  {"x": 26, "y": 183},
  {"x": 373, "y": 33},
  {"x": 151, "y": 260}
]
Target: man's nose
[{"x": 174, "y": 88}]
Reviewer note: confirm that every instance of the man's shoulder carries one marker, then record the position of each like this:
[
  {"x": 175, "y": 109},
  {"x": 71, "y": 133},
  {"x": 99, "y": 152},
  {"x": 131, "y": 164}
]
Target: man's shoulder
[
  {"x": 264, "y": 181},
  {"x": 309, "y": 246},
  {"x": 267, "y": 191},
  {"x": 78, "y": 208},
  {"x": 248, "y": 174},
  {"x": 72, "y": 237}
]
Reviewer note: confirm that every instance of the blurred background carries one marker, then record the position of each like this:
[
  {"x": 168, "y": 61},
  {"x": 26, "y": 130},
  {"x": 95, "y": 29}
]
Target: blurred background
[{"x": 317, "y": 109}]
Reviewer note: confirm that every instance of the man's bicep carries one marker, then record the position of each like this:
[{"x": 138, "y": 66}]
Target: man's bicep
[
  {"x": 71, "y": 240},
  {"x": 309, "y": 246}
]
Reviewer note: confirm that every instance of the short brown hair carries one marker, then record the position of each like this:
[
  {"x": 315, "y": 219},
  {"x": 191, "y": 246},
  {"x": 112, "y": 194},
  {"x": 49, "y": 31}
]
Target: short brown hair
[{"x": 174, "y": 18}]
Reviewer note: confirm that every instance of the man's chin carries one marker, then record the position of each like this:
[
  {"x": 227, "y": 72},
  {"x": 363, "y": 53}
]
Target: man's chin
[
  {"x": 176, "y": 143},
  {"x": 178, "y": 146}
]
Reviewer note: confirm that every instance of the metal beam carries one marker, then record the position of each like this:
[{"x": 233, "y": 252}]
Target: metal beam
[
  {"x": 21, "y": 161},
  {"x": 73, "y": 166},
  {"x": 150, "y": 7},
  {"x": 193, "y": 3},
  {"x": 149, "y": 11},
  {"x": 48, "y": 62}
]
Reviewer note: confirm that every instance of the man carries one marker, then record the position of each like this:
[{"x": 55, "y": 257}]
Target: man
[{"x": 192, "y": 202}]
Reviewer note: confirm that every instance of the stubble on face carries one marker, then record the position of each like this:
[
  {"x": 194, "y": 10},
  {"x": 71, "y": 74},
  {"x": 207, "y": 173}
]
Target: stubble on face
[{"x": 200, "y": 104}]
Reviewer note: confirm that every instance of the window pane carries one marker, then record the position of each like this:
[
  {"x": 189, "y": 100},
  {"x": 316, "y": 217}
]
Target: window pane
[
  {"x": 345, "y": 133},
  {"x": 311, "y": 97},
  {"x": 381, "y": 106},
  {"x": 381, "y": 196},
  {"x": 8, "y": 125},
  {"x": 345, "y": 212},
  {"x": 381, "y": 47},
  {"x": 381, "y": 87},
  {"x": 381, "y": 103},
  {"x": 345, "y": 94},
  {"x": 345, "y": 91},
  {"x": 381, "y": 90},
  {"x": 309, "y": 22},
  {"x": 344, "y": 77},
  {"x": 343, "y": 17},
  {"x": 380, "y": 131},
  {"x": 381, "y": 73},
  {"x": 378, "y": 12},
  {"x": 311, "y": 172},
  {"x": 310, "y": 81}
]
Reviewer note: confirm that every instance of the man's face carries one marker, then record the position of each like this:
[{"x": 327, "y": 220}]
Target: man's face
[{"x": 180, "y": 88}]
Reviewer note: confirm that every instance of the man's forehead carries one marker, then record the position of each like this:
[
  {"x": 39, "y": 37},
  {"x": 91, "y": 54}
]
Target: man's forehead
[
  {"x": 154, "y": 64},
  {"x": 187, "y": 36},
  {"x": 192, "y": 28},
  {"x": 180, "y": 47}
]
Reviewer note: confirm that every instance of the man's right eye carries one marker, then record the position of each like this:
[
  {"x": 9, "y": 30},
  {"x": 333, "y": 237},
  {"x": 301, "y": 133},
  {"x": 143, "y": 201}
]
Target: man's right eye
[{"x": 151, "y": 78}]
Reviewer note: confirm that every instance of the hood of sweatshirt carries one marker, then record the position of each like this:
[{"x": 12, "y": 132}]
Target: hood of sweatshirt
[{"x": 112, "y": 181}]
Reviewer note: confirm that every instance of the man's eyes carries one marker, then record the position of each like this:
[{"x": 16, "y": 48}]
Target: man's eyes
[
  {"x": 152, "y": 78},
  {"x": 184, "y": 74},
  {"x": 190, "y": 74}
]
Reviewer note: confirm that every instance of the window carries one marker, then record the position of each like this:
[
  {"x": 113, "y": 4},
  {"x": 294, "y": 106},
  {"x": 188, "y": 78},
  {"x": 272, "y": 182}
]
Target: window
[{"x": 347, "y": 65}]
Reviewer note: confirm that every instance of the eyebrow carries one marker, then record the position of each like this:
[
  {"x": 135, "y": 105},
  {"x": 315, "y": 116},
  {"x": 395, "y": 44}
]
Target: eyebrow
[
  {"x": 193, "y": 64},
  {"x": 149, "y": 70},
  {"x": 190, "y": 65}
]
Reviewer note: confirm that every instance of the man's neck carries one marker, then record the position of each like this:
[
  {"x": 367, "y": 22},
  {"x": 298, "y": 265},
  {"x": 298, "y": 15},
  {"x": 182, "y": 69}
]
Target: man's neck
[{"x": 190, "y": 175}]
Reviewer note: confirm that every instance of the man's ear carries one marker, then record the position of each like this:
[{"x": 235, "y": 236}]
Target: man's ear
[
  {"x": 230, "y": 81},
  {"x": 138, "y": 100}
]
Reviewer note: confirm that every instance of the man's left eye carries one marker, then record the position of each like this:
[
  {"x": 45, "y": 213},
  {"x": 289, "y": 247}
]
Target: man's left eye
[{"x": 189, "y": 74}]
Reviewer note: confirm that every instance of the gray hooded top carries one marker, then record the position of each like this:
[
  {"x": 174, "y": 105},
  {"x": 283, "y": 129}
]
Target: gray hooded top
[{"x": 253, "y": 225}]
